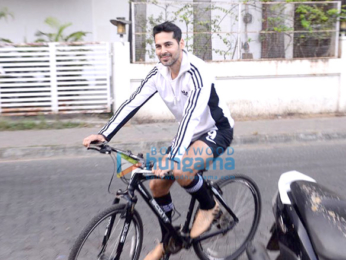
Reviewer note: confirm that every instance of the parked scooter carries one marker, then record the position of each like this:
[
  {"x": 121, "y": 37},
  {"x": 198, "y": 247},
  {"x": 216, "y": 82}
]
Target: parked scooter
[{"x": 310, "y": 222}]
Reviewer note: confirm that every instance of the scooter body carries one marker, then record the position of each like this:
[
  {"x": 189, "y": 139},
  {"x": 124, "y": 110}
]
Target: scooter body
[{"x": 310, "y": 222}]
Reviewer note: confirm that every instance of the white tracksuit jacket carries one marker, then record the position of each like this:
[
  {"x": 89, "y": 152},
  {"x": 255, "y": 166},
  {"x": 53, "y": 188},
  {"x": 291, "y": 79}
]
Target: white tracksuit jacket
[{"x": 191, "y": 97}]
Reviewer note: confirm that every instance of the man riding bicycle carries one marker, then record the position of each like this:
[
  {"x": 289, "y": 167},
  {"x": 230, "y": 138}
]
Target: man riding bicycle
[{"x": 205, "y": 125}]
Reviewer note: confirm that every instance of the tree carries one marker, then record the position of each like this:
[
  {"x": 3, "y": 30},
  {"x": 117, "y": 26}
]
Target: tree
[{"x": 140, "y": 13}]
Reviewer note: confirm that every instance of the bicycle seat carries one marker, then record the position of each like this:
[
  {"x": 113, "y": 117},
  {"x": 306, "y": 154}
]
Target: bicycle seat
[{"x": 324, "y": 215}]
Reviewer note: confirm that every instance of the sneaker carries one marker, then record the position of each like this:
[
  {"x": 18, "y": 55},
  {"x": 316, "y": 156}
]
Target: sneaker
[
  {"x": 156, "y": 254},
  {"x": 203, "y": 220}
]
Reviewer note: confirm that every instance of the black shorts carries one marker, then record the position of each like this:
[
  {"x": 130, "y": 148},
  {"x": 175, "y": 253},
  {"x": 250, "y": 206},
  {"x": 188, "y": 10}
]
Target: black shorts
[{"x": 217, "y": 140}]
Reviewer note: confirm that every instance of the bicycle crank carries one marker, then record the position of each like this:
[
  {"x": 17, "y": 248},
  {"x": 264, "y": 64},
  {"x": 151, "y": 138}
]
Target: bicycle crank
[{"x": 171, "y": 245}]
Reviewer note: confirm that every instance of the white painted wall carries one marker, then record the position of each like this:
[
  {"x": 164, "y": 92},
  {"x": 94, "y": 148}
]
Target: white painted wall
[
  {"x": 85, "y": 15},
  {"x": 260, "y": 88},
  {"x": 102, "y": 12}
]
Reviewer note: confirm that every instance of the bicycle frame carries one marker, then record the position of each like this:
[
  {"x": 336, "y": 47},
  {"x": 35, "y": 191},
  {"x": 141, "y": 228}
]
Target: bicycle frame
[{"x": 139, "y": 176}]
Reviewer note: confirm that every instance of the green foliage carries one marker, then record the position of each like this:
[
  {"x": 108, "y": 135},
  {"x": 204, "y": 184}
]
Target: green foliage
[
  {"x": 312, "y": 19},
  {"x": 152, "y": 21},
  {"x": 5, "y": 40},
  {"x": 5, "y": 13},
  {"x": 317, "y": 16},
  {"x": 186, "y": 14},
  {"x": 58, "y": 35}
]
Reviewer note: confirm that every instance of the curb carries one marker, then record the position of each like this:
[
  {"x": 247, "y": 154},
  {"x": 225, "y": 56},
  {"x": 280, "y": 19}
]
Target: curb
[
  {"x": 12, "y": 153},
  {"x": 288, "y": 138}
]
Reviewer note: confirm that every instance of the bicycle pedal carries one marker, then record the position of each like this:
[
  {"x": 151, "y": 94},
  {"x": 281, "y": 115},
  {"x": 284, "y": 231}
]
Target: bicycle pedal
[
  {"x": 223, "y": 221},
  {"x": 217, "y": 217}
]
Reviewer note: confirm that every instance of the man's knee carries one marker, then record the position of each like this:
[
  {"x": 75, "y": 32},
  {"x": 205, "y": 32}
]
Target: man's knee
[
  {"x": 154, "y": 185},
  {"x": 158, "y": 186}
]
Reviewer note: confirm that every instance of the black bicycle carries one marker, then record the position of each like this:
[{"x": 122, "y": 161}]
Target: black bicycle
[{"x": 117, "y": 232}]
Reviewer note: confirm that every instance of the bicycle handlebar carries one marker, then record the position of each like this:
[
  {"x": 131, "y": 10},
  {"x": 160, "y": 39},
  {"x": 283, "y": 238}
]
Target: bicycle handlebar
[{"x": 105, "y": 148}]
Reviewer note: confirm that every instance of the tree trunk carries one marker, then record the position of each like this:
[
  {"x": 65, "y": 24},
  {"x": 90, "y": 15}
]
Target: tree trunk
[
  {"x": 272, "y": 44},
  {"x": 202, "y": 46},
  {"x": 140, "y": 14}
]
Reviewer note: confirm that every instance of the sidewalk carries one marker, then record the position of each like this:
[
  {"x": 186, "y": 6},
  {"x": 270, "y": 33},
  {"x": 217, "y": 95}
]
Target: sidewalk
[{"x": 139, "y": 138}]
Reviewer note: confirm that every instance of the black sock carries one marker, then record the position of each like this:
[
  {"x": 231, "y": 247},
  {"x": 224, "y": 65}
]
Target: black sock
[
  {"x": 199, "y": 190},
  {"x": 166, "y": 204}
]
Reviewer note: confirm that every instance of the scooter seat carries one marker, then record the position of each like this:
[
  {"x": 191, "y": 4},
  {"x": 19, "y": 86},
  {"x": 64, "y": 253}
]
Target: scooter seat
[{"x": 323, "y": 213}]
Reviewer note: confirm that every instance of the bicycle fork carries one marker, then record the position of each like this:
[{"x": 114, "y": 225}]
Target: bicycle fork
[
  {"x": 126, "y": 227},
  {"x": 106, "y": 236},
  {"x": 128, "y": 215}
]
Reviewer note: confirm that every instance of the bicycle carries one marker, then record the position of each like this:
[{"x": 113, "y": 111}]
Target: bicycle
[{"x": 118, "y": 230}]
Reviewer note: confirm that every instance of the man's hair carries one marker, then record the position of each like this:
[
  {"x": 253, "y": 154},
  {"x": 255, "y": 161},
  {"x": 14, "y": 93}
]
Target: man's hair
[{"x": 168, "y": 27}]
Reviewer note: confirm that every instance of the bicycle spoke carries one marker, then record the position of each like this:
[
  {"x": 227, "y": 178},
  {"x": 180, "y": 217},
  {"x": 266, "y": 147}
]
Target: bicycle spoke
[{"x": 244, "y": 215}]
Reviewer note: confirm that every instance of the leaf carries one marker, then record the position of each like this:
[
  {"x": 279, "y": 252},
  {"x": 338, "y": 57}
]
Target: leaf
[
  {"x": 60, "y": 31},
  {"x": 5, "y": 40},
  {"x": 39, "y": 33},
  {"x": 52, "y": 22},
  {"x": 5, "y": 13},
  {"x": 76, "y": 36},
  {"x": 306, "y": 24},
  {"x": 40, "y": 40}
]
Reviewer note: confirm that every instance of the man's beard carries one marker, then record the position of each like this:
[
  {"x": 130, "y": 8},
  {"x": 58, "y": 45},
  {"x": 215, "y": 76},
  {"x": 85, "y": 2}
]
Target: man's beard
[{"x": 169, "y": 63}]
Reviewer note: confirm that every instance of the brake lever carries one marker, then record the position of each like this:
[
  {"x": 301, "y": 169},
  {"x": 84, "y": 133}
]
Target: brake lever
[
  {"x": 93, "y": 148},
  {"x": 106, "y": 149}
]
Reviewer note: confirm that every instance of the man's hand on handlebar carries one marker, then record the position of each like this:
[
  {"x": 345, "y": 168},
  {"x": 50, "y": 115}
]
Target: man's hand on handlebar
[
  {"x": 92, "y": 138},
  {"x": 158, "y": 172},
  {"x": 166, "y": 166}
]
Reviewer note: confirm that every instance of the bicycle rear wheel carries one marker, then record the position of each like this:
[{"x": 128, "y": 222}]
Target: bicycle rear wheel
[
  {"x": 100, "y": 238},
  {"x": 242, "y": 196}
]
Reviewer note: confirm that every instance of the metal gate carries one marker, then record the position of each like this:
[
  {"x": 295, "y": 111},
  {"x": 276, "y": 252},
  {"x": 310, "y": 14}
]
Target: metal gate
[{"x": 55, "y": 78}]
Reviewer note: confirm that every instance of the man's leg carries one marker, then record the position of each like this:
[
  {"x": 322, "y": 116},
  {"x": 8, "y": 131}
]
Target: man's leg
[
  {"x": 160, "y": 191},
  {"x": 162, "y": 195},
  {"x": 198, "y": 156}
]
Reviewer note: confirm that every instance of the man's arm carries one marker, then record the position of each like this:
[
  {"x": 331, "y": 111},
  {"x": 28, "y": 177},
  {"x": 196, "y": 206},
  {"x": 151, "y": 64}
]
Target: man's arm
[{"x": 127, "y": 110}]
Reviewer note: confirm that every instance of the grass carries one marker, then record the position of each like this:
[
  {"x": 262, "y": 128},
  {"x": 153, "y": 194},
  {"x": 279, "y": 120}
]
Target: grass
[{"x": 8, "y": 125}]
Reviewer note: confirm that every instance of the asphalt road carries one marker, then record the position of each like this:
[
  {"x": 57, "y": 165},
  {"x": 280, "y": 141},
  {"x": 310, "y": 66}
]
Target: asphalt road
[{"x": 45, "y": 203}]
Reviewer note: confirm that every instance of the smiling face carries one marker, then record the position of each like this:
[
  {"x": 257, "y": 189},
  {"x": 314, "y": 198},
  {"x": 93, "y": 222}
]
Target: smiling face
[{"x": 168, "y": 50}]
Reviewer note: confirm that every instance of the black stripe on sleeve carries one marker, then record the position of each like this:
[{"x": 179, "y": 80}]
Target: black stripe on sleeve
[
  {"x": 200, "y": 78},
  {"x": 106, "y": 127},
  {"x": 127, "y": 118}
]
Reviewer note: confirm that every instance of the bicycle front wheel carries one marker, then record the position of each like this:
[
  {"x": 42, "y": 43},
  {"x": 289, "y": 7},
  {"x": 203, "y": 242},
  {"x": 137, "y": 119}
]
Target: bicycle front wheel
[
  {"x": 242, "y": 196},
  {"x": 100, "y": 239}
]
